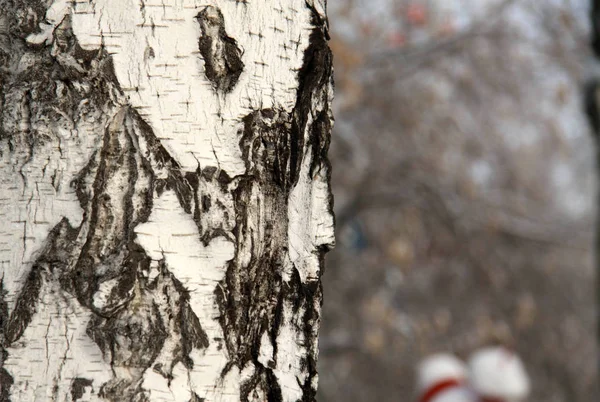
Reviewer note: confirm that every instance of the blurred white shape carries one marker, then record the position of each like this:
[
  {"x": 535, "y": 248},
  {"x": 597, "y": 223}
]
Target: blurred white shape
[
  {"x": 442, "y": 378},
  {"x": 496, "y": 372},
  {"x": 481, "y": 172},
  {"x": 569, "y": 192}
]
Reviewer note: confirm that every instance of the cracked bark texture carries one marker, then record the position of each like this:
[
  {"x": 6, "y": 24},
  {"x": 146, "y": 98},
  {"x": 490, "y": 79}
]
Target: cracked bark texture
[{"x": 164, "y": 199}]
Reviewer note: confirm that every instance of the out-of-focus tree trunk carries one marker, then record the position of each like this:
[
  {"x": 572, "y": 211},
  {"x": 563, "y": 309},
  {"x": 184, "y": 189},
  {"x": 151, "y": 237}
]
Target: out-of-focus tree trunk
[
  {"x": 592, "y": 103},
  {"x": 164, "y": 199}
]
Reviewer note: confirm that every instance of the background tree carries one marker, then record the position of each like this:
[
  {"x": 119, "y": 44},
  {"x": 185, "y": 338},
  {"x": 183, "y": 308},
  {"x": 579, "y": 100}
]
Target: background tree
[
  {"x": 592, "y": 104},
  {"x": 465, "y": 194}
]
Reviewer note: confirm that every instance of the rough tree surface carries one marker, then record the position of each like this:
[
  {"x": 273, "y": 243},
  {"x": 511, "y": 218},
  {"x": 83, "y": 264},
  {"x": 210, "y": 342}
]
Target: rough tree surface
[{"x": 164, "y": 199}]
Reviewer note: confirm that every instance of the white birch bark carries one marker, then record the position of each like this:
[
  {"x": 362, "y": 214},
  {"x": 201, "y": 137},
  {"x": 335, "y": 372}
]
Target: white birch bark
[{"x": 164, "y": 199}]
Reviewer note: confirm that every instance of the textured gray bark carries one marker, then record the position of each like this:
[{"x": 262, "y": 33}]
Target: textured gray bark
[{"x": 88, "y": 309}]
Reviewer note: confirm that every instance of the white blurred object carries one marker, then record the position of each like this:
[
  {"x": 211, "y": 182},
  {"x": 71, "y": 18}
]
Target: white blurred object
[
  {"x": 498, "y": 373},
  {"x": 443, "y": 378}
]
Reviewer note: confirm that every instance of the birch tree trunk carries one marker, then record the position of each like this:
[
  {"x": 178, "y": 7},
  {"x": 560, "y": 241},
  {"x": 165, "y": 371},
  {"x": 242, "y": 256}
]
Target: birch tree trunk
[{"x": 164, "y": 199}]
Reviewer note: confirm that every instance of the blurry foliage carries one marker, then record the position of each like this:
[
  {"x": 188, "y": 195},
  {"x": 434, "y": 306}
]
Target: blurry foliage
[{"x": 464, "y": 184}]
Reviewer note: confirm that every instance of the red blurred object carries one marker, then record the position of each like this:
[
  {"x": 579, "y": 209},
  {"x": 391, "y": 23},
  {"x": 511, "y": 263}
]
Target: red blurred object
[
  {"x": 447, "y": 29},
  {"x": 486, "y": 399},
  {"x": 366, "y": 27},
  {"x": 416, "y": 14},
  {"x": 437, "y": 389},
  {"x": 396, "y": 39}
]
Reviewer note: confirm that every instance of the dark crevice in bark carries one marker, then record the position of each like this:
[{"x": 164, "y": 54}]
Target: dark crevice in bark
[
  {"x": 112, "y": 218},
  {"x": 204, "y": 183},
  {"x": 310, "y": 319},
  {"x": 273, "y": 389},
  {"x": 314, "y": 77},
  {"x": 163, "y": 161},
  {"x": 78, "y": 386},
  {"x": 222, "y": 55},
  {"x": 24, "y": 308},
  {"x": 196, "y": 398},
  {"x": 595, "y": 22},
  {"x": 266, "y": 146},
  {"x": 249, "y": 296},
  {"x": 262, "y": 383},
  {"x": 54, "y": 256},
  {"x": 6, "y": 379},
  {"x": 305, "y": 297}
]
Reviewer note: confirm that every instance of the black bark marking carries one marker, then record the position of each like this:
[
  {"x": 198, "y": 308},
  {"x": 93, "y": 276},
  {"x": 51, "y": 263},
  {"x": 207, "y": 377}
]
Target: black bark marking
[
  {"x": 78, "y": 386},
  {"x": 266, "y": 146},
  {"x": 222, "y": 55},
  {"x": 250, "y": 294},
  {"x": 592, "y": 107},
  {"x": 162, "y": 161},
  {"x": 24, "y": 308},
  {"x": 204, "y": 182},
  {"x": 41, "y": 86},
  {"x": 314, "y": 77},
  {"x": 134, "y": 322},
  {"x": 54, "y": 256},
  {"x": 109, "y": 252},
  {"x": 6, "y": 379},
  {"x": 253, "y": 294},
  {"x": 263, "y": 381},
  {"x": 196, "y": 398},
  {"x": 595, "y": 23},
  {"x": 205, "y": 203}
]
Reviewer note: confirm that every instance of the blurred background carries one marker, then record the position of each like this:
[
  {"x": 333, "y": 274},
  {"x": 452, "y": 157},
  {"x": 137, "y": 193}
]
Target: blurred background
[{"x": 465, "y": 194}]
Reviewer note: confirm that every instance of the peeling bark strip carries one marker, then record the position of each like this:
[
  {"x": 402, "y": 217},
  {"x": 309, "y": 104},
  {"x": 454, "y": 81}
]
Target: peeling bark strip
[{"x": 160, "y": 241}]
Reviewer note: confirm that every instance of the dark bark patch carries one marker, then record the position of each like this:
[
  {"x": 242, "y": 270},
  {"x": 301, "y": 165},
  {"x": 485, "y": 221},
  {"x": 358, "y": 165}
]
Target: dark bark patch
[
  {"x": 267, "y": 146},
  {"x": 250, "y": 295},
  {"x": 592, "y": 104},
  {"x": 50, "y": 77},
  {"x": 264, "y": 382},
  {"x": 53, "y": 256},
  {"x": 160, "y": 159},
  {"x": 196, "y": 398},
  {"x": 253, "y": 294},
  {"x": 139, "y": 314},
  {"x": 210, "y": 188},
  {"x": 131, "y": 338},
  {"x": 112, "y": 219},
  {"x": 78, "y": 386},
  {"x": 222, "y": 55},
  {"x": 595, "y": 22},
  {"x": 314, "y": 78},
  {"x": 6, "y": 381},
  {"x": 192, "y": 334},
  {"x": 25, "y": 307}
]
